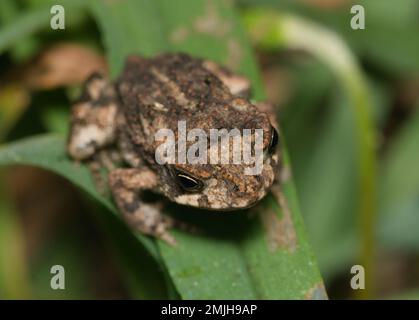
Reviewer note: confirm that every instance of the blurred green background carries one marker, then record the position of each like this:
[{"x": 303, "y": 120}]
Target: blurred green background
[{"x": 347, "y": 102}]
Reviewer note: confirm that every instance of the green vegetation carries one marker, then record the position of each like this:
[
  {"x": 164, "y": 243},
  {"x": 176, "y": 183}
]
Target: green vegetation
[{"x": 347, "y": 103}]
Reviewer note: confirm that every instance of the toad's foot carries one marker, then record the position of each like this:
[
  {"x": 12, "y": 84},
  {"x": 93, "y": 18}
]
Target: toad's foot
[{"x": 128, "y": 186}]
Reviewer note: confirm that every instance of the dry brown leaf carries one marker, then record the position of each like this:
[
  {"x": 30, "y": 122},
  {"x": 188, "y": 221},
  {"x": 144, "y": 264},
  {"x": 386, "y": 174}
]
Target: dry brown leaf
[{"x": 62, "y": 65}]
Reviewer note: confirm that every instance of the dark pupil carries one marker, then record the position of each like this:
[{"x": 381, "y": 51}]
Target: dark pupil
[
  {"x": 188, "y": 183},
  {"x": 274, "y": 140}
]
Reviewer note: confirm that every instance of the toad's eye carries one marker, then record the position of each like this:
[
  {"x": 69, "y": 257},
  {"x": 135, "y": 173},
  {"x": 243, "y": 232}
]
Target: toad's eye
[
  {"x": 274, "y": 140},
  {"x": 187, "y": 182}
]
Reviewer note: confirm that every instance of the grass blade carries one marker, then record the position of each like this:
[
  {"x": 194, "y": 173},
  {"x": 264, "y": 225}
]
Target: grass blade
[
  {"x": 221, "y": 264},
  {"x": 48, "y": 152},
  {"x": 261, "y": 253}
]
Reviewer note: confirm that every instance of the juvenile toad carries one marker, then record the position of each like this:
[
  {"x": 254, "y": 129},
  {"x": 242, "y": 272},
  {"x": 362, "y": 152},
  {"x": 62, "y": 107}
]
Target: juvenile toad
[{"x": 119, "y": 121}]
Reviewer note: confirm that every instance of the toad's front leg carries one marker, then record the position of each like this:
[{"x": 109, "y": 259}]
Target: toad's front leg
[
  {"x": 93, "y": 127},
  {"x": 93, "y": 119},
  {"x": 127, "y": 186}
]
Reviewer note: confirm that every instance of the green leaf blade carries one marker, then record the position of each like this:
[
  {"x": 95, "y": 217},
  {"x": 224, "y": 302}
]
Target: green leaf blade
[{"x": 257, "y": 254}]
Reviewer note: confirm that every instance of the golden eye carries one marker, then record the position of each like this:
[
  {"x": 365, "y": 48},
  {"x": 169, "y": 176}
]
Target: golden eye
[
  {"x": 188, "y": 182},
  {"x": 274, "y": 140}
]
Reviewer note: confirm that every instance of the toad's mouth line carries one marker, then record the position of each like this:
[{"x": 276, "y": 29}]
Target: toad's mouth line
[
  {"x": 219, "y": 204},
  {"x": 224, "y": 209}
]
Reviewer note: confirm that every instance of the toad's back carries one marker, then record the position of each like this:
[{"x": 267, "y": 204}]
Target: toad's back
[
  {"x": 175, "y": 84},
  {"x": 160, "y": 92},
  {"x": 157, "y": 93}
]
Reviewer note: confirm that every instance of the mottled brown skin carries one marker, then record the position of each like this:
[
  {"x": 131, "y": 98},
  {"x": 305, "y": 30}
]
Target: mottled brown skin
[{"x": 156, "y": 93}]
